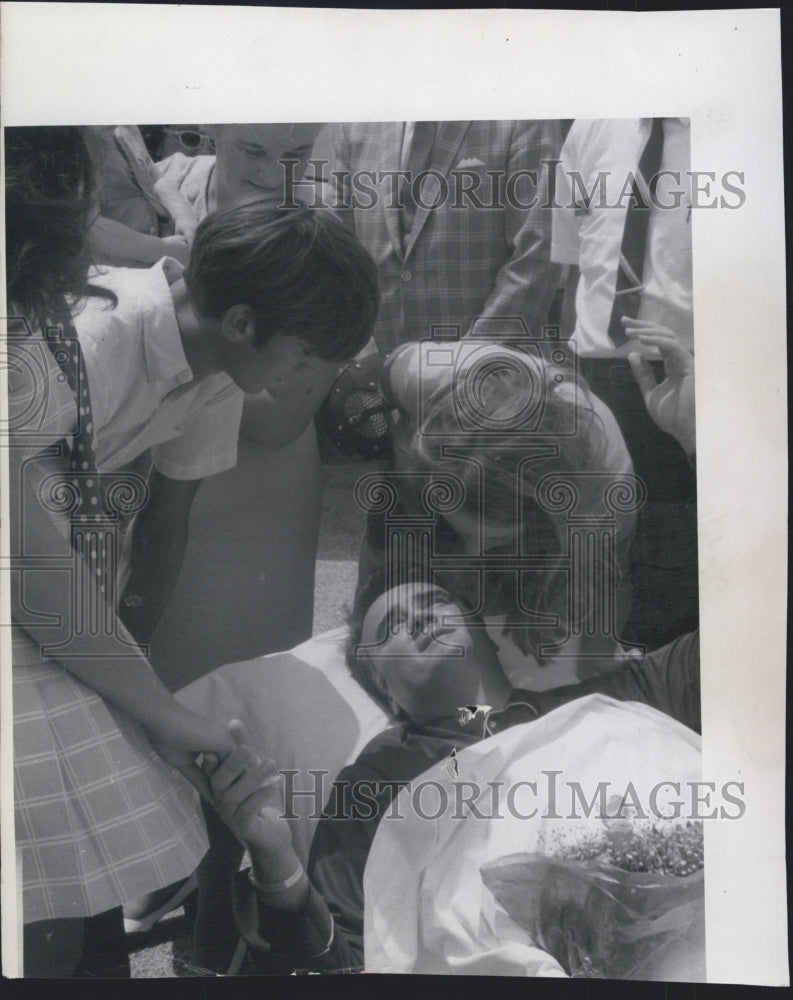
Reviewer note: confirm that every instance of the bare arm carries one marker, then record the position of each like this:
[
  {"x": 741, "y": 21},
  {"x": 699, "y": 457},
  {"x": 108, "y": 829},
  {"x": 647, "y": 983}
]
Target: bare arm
[
  {"x": 106, "y": 659},
  {"x": 116, "y": 244}
]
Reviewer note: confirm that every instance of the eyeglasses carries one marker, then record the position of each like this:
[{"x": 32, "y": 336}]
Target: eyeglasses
[{"x": 189, "y": 139}]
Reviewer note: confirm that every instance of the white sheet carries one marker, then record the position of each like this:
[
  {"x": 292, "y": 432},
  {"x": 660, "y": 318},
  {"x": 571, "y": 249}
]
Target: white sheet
[{"x": 427, "y": 909}]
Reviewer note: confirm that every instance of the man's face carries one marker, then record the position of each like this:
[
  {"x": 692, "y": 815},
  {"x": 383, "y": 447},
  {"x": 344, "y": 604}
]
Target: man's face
[
  {"x": 248, "y": 158},
  {"x": 424, "y": 658}
]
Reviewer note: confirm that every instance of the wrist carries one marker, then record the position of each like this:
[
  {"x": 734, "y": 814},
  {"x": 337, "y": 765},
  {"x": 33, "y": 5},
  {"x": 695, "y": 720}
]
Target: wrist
[
  {"x": 273, "y": 866},
  {"x": 288, "y": 892}
]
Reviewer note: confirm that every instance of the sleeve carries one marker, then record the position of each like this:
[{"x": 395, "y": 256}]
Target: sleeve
[
  {"x": 208, "y": 442},
  {"x": 565, "y": 225},
  {"x": 666, "y": 679},
  {"x": 528, "y": 279},
  {"x": 327, "y": 934},
  {"x": 338, "y": 185},
  {"x": 304, "y": 940},
  {"x": 174, "y": 168}
]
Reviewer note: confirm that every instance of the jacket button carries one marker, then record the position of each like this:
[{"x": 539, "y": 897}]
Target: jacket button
[{"x": 406, "y": 275}]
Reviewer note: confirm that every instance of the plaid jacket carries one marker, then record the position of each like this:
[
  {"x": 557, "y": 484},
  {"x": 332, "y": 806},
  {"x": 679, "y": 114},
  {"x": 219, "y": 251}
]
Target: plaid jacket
[{"x": 479, "y": 253}]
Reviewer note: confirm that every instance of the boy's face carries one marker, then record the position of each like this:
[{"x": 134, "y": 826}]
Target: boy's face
[
  {"x": 280, "y": 365},
  {"x": 414, "y": 630},
  {"x": 248, "y": 156}
]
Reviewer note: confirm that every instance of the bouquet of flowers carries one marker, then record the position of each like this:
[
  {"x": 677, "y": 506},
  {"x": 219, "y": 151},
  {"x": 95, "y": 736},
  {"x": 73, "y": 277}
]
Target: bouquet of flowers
[{"x": 627, "y": 903}]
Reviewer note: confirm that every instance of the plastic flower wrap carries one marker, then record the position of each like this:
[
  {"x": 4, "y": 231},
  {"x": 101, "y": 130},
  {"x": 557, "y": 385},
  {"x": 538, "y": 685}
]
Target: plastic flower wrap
[{"x": 624, "y": 903}]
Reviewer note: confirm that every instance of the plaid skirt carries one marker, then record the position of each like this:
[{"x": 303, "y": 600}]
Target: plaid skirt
[{"x": 100, "y": 818}]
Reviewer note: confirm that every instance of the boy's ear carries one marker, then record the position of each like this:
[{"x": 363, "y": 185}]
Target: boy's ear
[{"x": 238, "y": 325}]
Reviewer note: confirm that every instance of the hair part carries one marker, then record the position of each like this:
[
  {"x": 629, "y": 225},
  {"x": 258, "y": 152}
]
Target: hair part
[{"x": 301, "y": 272}]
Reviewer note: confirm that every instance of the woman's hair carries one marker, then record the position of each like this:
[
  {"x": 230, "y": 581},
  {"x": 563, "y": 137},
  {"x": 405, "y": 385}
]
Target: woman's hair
[
  {"x": 300, "y": 270},
  {"x": 476, "y": 429},
  {"x": 49, "y": 205}
]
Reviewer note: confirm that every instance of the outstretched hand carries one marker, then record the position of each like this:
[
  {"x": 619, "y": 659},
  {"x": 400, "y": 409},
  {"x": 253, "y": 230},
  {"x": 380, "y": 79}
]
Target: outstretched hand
[{"x": 670, "y": 403}]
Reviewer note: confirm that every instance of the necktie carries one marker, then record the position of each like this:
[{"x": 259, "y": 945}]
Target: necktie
[
  {"x": 83, "y": 478},
  {"x": 418, "y": 158},
  {"x": 629, "y": 288}
]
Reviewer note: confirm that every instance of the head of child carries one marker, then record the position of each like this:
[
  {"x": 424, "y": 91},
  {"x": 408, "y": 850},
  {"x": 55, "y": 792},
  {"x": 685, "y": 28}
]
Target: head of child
[
  {"x": 278, "y": 289},
  {"x": 260, "y": 160},
  {"x": 421, "y": 656},
  {"x": 49, "y": 202}
]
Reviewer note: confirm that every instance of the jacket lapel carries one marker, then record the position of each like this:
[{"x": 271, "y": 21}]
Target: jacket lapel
[
  {"x": 447, "y": 144},
  {"x": 390, "y": 153}
]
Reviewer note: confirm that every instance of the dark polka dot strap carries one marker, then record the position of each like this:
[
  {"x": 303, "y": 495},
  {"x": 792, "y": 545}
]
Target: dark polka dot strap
[{"x": 83, "y": 476}]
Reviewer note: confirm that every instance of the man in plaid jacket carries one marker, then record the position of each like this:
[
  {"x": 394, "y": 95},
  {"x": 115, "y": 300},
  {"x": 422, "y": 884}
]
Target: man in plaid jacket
[{"x": 457, "y": 218}]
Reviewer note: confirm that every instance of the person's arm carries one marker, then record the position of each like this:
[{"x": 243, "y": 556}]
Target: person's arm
[
  {"x": 670, "y": 403},
  {"x": 114, "y": 243},
  {"x": 184, "y": 219},
  {"x": 105, "y": 659},
  {"x": 276, "y": 905},
  {"x": 528, "y": 279},
  {"x": 159, "y": 541},
  {"x": 666, "y": 679}
]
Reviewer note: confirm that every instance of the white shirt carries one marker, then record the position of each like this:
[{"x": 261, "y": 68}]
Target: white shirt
[
  {"x": 143, "y": 393},
  {"x": 590, "y": 237}
]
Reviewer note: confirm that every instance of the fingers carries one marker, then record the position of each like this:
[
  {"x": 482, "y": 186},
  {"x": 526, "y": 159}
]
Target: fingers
[
  {"x": 252, "y": 782},
  {"x": 239, "y": 733},
  {"x": 239, "y": 763},
  {"x": 210, "y": 763},
  {"x": 643, "y": 373},
  {"x": 197, "y": 779}
]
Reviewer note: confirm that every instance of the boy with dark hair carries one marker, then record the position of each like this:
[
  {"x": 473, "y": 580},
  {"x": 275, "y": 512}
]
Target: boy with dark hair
[{"x": 273, "y": 300}]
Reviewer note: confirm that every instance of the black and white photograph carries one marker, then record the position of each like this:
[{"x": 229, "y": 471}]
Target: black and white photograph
[{"x": 383, "y": 588}]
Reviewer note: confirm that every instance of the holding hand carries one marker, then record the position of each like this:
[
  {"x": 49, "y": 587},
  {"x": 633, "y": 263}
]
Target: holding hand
[
  {"x": 181, "y": 735},
  {"x": 670, "y": 403},
  {"x": 176, "y": 247},
  {"x": 247, "y": 793}
]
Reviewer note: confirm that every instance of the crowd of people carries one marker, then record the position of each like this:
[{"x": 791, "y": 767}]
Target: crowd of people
[{"x": 182, "y": 301}]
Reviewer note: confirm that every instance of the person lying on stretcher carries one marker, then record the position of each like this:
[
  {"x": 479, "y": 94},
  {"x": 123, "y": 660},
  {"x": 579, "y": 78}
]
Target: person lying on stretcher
[{"x": 433, "y": 665}]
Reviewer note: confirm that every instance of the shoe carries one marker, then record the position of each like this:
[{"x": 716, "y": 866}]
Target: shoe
[
  {"x": 143, "y": 913},
  {"x": 206, "y": 964}
]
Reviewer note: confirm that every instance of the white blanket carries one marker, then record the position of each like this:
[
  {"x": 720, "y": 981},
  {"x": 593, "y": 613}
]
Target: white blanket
[{"x": 427, "y": 909}]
